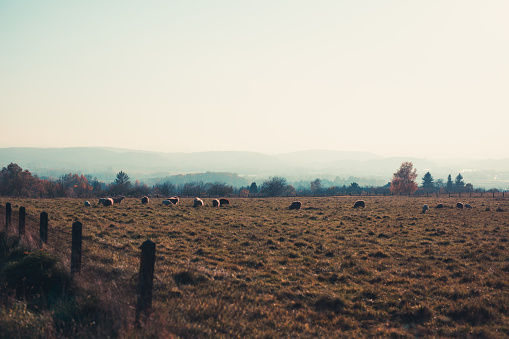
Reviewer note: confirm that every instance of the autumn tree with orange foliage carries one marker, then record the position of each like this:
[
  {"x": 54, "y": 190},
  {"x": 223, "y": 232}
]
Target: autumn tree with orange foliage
[{"x": 403, "y": 181}]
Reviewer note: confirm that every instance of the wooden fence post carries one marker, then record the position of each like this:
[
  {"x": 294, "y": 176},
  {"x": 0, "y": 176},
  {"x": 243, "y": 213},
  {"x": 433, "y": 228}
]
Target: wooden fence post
[
  {"x": 77, "y": 237},
  {"x": 146, "y": 277},
  {"x": 43, "y": 226},
  {"x": 21, "y": 227},
  {"x": 8, "y": 215}
]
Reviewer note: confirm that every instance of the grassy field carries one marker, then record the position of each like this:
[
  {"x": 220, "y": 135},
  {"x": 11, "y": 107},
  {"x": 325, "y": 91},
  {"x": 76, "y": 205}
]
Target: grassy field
[{"x": 257, "y": 269}]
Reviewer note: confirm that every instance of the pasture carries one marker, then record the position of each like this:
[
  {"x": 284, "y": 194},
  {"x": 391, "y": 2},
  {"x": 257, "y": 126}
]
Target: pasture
[{"x": 257, "y": 269}]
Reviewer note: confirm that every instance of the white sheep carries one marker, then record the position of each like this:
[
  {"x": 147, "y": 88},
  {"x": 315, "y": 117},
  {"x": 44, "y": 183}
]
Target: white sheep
[{"x": 197, "y": 202}]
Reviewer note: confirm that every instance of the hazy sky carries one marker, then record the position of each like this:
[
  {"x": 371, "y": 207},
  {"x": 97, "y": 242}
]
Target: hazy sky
[{"x": 409, "y": 78}]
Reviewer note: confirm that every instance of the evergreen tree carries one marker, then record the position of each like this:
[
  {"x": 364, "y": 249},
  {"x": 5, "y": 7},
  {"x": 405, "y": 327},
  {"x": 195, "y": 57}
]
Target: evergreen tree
[
  {"x": 449, "y": 183},
  {"x": 428, "y": 182},
  {"x": 121, "y": 184},
  {"x": 253, "y": 189},
  {"x": 459, "y": 184}
]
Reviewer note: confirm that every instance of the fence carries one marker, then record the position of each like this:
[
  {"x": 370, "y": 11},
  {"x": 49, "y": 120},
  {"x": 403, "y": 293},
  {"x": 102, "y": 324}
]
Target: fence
[
  {"x": 388, "y": 194},
  {"x": 69, "y": 248}
]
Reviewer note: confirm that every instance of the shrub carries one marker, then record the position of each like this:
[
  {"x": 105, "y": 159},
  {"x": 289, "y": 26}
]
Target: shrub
[{"x": 36, "y": 274}]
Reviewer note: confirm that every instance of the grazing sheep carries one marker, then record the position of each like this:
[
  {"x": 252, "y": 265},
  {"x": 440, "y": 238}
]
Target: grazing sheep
[
  {"x": 468, "y": 206},
  {"x": 440, "y": 206},
  {"x": 224, "y": 201},
  {"x": 295, "y": 205},
  {"x": 118, "y": 200},
  {"x": 144, "y": 200},
  {"x": 197, "y": 202},
  {"x": 101, "y": 200},
  {"x": 174, "y": 200},
  {"x": 459, "y": 205},
  {"x": 87, "y": 203},
  {"x": 167, "y": 202},
  {"x": 425, "y": 208},
  {"x": 108, "y": 202},
  {"x": 359, "y": 203},
  {"x": 216, "y": 203}
]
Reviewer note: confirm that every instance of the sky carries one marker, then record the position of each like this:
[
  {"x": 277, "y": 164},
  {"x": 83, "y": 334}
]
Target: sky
[{"x": 396, "y": 78}]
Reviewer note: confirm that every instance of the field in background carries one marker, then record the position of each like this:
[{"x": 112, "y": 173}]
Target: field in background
[{"x": 255, "y": 268}]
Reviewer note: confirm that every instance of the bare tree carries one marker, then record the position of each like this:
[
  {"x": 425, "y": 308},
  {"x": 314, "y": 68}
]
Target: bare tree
[
  {"x": 273, "y": 187},
  {"x": 316, "y": 186}
]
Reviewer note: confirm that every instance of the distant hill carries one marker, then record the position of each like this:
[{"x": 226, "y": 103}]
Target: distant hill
[
  {"x": 104, "y": 163},
  {"x": 324, "y": 157}
]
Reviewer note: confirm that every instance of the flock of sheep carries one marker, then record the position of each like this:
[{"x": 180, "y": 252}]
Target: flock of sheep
[
  {"x": 425, "y": 207},
  {"x": 169, "y": 201},
  {"x": 197, "y": 202}
]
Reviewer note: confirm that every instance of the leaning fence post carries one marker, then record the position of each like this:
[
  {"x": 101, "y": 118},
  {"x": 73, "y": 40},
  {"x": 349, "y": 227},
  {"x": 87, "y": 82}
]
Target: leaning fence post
[
  {"x": 146, "y": 277},
  {"x": 44, "y": 227},
  {"x": 21, "y": 219},
  {"x": 76, "y": 247},
  {"x": 8, "y": 215}
]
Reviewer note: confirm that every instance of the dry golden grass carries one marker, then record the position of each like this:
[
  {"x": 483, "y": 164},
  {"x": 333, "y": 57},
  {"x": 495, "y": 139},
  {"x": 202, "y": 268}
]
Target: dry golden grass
[{"x": 257, "y": 269}]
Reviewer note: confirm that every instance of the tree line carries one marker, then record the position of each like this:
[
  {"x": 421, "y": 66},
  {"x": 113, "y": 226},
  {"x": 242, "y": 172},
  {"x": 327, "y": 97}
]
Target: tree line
[
  {"x": 404, "y": 182},
  {"x": 15, "y": 181}
]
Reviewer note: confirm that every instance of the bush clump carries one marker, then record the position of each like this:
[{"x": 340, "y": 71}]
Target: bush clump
[{"x": 36, "y": 274}]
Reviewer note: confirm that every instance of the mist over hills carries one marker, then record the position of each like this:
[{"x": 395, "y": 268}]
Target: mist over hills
[{"x": 148, "y": 166}]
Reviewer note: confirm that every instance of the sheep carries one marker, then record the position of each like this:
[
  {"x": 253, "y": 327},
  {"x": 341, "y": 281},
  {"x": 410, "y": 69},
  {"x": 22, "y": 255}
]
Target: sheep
[
  {"x": 224, "y": 201},
  {"x": 459, "y": 205},
  {"x": 144, "y": 200},
  {"x": 101, "y": 200},
  {"x": 216, "y": 203},
  {"x": 167, "y": 202},
  {"x": 197, "y": 202},
  {"x": 468, "y": 206},
  {"x": 440, "y": 206},
  {"x": 295, "y": 205},
  {"x": 118, "y": 200},
  {"x": 359, "y": 203},
  {"x": 425, "y": 208},
  {"x": 174, "y": 200},
  {"x": 107, "y": 202},
  {"x": 87, "y": 203}
]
